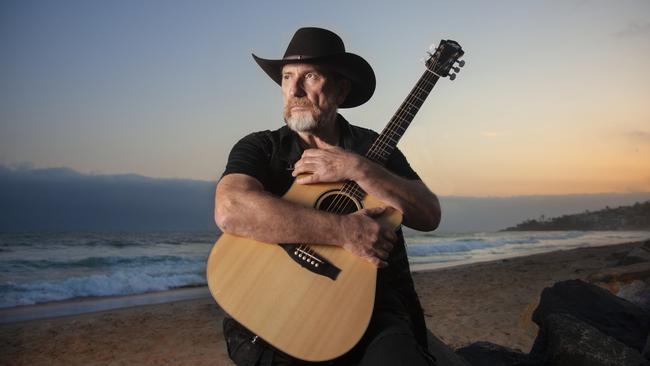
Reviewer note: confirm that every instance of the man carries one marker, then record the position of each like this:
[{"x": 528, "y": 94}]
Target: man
[{"x": 317, "y": 77}]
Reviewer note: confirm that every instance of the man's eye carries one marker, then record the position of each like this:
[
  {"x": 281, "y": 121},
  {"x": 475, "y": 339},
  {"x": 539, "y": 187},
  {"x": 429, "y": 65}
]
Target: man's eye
[{"x": 311, "y": 76}]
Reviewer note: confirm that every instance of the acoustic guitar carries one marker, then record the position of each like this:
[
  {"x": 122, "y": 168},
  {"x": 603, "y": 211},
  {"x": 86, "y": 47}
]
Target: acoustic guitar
[{"x": 314, "y": 302}]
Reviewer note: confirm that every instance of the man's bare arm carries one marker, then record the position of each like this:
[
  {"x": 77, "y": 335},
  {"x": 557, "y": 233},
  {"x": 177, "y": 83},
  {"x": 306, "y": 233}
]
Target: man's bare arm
[
  {"x": 419, "y": 205},
  {"x": 244, "y": 208}
]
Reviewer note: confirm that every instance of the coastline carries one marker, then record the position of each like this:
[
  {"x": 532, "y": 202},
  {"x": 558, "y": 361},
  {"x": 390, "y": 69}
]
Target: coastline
[
  {"x": 82, "y": 306},
  {"x": 488, "y": 301}
]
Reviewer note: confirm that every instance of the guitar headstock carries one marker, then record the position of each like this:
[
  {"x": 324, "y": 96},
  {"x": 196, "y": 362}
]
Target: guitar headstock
[{"x": 443, "y": 59}]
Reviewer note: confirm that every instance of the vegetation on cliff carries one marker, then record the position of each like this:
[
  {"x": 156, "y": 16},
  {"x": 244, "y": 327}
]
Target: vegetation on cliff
[{"x": 635, "y": 217}]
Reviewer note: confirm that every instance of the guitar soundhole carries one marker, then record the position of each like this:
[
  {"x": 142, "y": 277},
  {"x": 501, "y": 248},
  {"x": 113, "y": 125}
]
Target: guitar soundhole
[{"x": 337, "y": 202}]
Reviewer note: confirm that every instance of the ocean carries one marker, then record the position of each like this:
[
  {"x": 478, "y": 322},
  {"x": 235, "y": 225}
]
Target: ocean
[{"x": 37, "y": 268}]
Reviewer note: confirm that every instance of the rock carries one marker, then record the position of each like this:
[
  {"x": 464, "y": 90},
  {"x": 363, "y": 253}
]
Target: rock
[
  {"x": 490, "y": 354},
  {"x": 624, "y": 274},
  {"x": 636, "y": 255},
  {"x": 595, "y": 306},
  {"x": 443, "y": 354},
  {"x": 636, "y": 292},
  {"x": 628, "y": 282},
  {"x": 572, "y": 342}
]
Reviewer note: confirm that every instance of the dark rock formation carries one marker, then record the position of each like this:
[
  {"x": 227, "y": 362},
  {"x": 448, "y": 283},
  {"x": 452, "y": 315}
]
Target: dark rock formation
[
  {"x": 636, "y": 292},
  {"x": 580, "y": 324},
  {"x": 490, "y": 354},
  {"x": 611, "y": 315},
  {"x": 572, "y": 342},
  {"x": 444, "y": 355},
  {"x": 637, "y": 255}
]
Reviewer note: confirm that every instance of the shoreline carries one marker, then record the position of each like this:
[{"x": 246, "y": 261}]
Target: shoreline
[
  {"x": 90, "y": 305},
  {"x": 81, "y": 306},
  {"x": 489, "y": 301}
]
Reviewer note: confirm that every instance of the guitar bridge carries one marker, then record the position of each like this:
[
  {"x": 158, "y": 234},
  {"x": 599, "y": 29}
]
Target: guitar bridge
[{"x": 312, "y": 261}]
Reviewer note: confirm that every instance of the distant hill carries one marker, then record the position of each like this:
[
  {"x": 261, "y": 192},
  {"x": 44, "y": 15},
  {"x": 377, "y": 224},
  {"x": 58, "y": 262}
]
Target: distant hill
[
  {"x": 62, "y": 199},
  {"x": 634, "y": 217}
]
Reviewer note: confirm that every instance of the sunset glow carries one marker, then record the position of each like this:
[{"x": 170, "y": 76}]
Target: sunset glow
[{"x": 553, "y": 99}]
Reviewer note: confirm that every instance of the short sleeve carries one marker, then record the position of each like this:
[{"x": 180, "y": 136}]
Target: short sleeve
[
  {"x": 251, "y": 156},
  {"x": 398, "y": 164}
]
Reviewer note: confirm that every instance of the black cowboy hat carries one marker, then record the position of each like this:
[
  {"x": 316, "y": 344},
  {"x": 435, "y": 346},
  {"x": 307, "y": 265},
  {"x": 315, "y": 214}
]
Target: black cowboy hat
[{"x": 320, "y": 46}]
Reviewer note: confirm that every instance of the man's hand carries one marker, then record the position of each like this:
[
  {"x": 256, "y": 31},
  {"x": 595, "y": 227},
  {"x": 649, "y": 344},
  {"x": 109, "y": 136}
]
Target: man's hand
[
  {"x": 366, "y": 238},
  {"x": 331, "y": 164}
]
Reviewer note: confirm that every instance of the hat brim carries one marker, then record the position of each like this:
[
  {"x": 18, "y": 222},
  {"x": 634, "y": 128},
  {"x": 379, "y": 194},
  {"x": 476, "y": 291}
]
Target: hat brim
[{"x": 351, "y": 66}]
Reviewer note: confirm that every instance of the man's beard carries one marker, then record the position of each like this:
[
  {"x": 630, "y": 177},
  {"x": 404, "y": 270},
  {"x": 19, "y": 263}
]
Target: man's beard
[
  {"x": 303, "y": 121},
  {"x": 309, "y": 120}
]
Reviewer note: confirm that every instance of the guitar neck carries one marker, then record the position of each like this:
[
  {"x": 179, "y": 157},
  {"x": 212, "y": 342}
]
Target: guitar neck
[{"x": 385, "y": 144}]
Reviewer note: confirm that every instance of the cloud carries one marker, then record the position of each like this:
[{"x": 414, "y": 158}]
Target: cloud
[
  {"x": 639, "y": 136},
  {"x": 634, "y": 29}
]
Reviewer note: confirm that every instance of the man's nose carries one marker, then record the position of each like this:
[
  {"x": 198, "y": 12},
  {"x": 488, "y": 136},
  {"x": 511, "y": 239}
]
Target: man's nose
[{"x": 296, "y": 89}]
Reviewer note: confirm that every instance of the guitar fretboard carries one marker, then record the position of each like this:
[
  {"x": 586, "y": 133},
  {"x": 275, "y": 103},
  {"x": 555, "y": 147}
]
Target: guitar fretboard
[{"x": 386, "y": 142}]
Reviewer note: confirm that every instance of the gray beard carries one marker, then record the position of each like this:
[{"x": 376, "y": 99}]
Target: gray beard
[{"x": 302, "y": 122}]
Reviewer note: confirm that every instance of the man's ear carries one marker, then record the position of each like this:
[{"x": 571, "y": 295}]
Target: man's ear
[{"x": 344, "y": 86}]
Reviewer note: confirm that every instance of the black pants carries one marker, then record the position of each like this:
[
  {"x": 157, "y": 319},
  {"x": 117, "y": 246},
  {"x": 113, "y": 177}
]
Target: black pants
[{"x": 389, "y": 340}]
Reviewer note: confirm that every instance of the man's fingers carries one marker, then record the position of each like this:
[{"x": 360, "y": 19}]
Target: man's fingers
[
  {"x": 307, "y": 152},
  {"x": 375, "y": 211},
  {"x": 302, "y": 167},
  {"x": 389, "y": 235},
  {"x": 311, "y": 153},
  {"x": 387, "y": 246},
  {"x": 306, "y": 159},
  {"x": 381, "y": 253},
  {"x": 377, "y": 262},
  {"x": 307, "y": 179},
  {"x": 326, "y": 144}
]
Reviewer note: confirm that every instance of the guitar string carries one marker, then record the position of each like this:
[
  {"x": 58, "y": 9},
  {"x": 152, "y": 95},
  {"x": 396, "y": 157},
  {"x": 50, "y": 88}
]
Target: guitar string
[
  {"x": 400, "y": 116},
  {"x": 419, "y": 92},
  {"x": 429, "y": 78},
  {"x": 386, "y": 143},
  {"x": 422, "y": 88},
  {"x": 340, "y": 204}
]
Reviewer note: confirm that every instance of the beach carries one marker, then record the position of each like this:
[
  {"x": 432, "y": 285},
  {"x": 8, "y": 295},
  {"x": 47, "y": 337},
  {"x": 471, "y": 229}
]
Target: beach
[{"x": 489, "y": 301}]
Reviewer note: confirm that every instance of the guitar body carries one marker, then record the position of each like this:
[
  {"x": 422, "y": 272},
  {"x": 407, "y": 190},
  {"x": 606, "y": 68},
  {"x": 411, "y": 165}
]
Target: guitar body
[{"x": 305, "y": 314}]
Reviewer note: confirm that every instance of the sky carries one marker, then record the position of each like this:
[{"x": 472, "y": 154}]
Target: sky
[{"x": 553, "y": 98}]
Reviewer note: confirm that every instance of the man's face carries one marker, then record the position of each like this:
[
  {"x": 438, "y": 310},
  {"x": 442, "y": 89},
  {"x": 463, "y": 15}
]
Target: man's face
[{"x": 311, "y": 97}]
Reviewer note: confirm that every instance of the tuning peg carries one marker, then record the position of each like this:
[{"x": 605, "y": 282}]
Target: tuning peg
[
  {"x": 452, "y": 76},
  {"x": 461, "y": 63},
  {"x": 457, "y": 69}
]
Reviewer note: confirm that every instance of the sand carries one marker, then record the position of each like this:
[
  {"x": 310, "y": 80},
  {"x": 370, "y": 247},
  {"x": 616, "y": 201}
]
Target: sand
[{"x": 489, "y": 301}]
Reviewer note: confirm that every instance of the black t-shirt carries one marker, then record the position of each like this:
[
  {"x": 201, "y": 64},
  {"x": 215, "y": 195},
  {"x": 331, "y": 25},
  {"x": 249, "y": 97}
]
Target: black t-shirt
[{"x": 269, "y": 157}]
